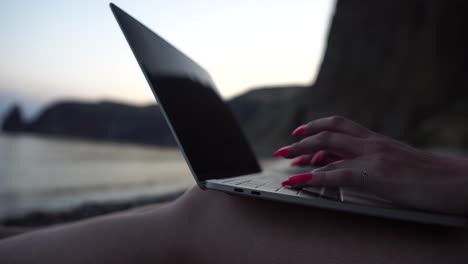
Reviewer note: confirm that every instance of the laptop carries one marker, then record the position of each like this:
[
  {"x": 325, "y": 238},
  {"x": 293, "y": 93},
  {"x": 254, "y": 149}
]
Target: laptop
[{"x": 214, "y": 145}]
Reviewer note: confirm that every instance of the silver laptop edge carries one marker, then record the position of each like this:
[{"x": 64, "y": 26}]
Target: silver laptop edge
[{"x": 397, "y": 214}]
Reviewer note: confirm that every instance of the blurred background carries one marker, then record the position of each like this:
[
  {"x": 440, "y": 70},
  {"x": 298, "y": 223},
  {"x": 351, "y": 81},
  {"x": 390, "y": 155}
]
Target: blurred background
[
  {"x": 80, "y": 128},
  {"x": 82, "y": 134}
]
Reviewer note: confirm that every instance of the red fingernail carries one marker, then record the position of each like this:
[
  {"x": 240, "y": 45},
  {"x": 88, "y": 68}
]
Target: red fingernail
[
  {"x": 317, "y": 157},
  {"x": 298, "y": 161},
  {"x": 299, "y": 131},
  {"x": 282, "y": 151},
  {"x": 296, "y": 179}
]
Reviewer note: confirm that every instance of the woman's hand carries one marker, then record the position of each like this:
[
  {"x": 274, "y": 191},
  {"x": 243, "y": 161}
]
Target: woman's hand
[{"x": 353, "y": 155}]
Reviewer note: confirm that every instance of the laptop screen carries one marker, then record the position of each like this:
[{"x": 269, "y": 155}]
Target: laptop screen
[{"x": 205, "y": 127}]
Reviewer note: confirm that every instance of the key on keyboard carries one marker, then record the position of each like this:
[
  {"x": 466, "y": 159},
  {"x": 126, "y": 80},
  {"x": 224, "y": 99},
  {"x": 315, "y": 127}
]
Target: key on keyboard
[{"x": 332, "y": 194}]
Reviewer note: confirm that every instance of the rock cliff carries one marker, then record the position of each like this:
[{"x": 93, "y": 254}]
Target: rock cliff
[
  {"x": 399, "y": 67},
  {"x": 14, "y": 121}
]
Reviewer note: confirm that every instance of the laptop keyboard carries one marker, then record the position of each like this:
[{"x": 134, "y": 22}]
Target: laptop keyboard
[{"x": 271, "y": 182}]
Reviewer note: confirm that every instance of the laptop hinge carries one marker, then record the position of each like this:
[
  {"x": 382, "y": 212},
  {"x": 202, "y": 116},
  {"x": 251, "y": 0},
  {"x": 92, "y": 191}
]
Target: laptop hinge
[{"x": 202, "y": 185}]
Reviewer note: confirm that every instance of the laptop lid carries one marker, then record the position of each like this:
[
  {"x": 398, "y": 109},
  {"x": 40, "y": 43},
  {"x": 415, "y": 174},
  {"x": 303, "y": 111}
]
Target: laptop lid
[{"x": 203, "y": 125}]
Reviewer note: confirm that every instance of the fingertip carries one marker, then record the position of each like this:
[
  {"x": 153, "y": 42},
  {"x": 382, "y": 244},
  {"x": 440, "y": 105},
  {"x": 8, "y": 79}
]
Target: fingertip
[
  {"x": 299, "y": 131},
  {"x": 317, "y": 157},
  {"x": 297, "y": 179},
  {"x": 282, "y": 152},
  {"x": 298, "y": 161}
]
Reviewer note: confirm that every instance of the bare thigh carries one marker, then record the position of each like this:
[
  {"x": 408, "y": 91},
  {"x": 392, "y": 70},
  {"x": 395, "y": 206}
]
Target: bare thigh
[
  {"x": 213, "y": 227},
  {"x": 223, "y": 228},
  {"x": 10, "y": 231}
]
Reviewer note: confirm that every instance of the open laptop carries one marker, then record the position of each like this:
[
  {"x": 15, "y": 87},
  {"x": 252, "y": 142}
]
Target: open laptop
[{"x": 214, "y": 145}]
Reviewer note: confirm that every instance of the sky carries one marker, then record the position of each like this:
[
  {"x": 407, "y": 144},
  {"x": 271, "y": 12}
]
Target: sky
[{"x": 61, "y": 49}]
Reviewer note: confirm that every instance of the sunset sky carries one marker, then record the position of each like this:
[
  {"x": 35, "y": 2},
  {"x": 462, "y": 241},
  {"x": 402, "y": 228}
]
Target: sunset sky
[{"x": 56, "y": 49}]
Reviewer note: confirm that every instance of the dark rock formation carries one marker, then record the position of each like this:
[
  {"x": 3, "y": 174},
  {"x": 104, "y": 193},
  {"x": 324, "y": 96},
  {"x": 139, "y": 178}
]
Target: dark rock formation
[
  {"x": 399, "y": 67},
  {"x": 271, "y": 113},
  {"x": 91, "y": 209},
  {"x": 396, "y": 65},
  {"x": 103, "y": 121},
  {"x": 14, "y": 121},
  {"x": 258, "y": 103}
]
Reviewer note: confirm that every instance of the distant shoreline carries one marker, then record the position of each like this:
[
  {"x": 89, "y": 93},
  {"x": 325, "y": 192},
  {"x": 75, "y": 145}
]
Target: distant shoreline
[
  {"x": 108, "y": 121},
  {"x": 101, "y": 142}
]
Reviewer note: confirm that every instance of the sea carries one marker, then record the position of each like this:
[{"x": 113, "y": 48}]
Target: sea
[{"x": 39, "y": 173}]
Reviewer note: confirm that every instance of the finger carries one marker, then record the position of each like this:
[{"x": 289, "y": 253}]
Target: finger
[
  {"x": 341, "y": 144},
  {"x": 322, "y": 158},
  {"x": 334, "y": 178},
  {"x": 330, "y": 159},
  {"x": 339, "y": 164},
  {"x": 304, "y": 160},
  {"x": 334, "y": 123},
  {"x": 318, "y": 158}
]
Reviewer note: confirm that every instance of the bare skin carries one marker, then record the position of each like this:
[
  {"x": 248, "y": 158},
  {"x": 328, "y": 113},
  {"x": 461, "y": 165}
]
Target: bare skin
[{"x": 213, "y": 227}]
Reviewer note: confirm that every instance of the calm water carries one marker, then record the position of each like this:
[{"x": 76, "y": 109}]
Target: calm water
[{"x": 47, "y": 173}]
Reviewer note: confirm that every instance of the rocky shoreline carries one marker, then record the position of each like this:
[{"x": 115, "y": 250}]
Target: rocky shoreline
[{"x": 91, "y": 209}]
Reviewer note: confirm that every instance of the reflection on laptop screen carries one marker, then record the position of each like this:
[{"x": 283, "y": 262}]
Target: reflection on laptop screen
[{"x": 205, "y": 126}]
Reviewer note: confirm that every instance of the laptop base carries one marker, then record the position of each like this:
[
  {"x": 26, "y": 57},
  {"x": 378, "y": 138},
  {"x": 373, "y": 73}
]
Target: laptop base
[{"x": 252, "y": 186}]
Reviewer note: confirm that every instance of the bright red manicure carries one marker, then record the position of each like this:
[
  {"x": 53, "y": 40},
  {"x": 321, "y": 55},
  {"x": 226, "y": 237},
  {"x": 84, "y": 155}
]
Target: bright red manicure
[
  {"x": 317, "y": 158},
  {"x": 282, "y": 151},
  {"x": 298, "y": 161},
  {"x": 296, "y": 179},
  {"x": 299, "y": 131}
]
